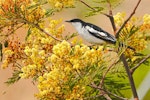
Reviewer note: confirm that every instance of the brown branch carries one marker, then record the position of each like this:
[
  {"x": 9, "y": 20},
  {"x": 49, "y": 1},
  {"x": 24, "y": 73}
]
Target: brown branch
[
  {"x": 125, "y": 22},
  {"x": 111, "y": 17},
  {"x": 92, "y": 97},
  {"x": 122, "y": 57},
  {"x": 105, "y": 91},
  {"x": 137, "y": 66}
]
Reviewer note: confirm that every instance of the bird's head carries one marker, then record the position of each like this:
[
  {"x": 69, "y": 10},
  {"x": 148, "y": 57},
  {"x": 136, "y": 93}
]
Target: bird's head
[{"x": 76, "y": 22}]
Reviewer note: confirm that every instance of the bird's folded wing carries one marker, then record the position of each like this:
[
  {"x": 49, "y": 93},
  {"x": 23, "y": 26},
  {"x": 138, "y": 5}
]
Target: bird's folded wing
[{"x": 99, "y": 33}]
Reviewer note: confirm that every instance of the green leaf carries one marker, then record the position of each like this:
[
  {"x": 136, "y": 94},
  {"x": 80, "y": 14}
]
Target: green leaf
[
  {"x": 104, "y": 3},
  {"x": 28, "y": 33},
  {"x": 15, "y": 77},
  {"x": 94, "y": 12},
  {"x": 70, "y": 36},
  {"x": 38, "y": 3},
  {"x": 133, "y": 30},
  {"x": 49, "y": 12}
]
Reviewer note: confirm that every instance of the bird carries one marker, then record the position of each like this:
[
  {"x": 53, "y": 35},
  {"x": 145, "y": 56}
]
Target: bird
[{"x": 92, "y": 33}]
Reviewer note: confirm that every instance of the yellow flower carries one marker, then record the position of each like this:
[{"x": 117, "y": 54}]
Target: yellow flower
[
  {"x": 42, "y": 53},
  {"x": 53, "y": 58},
  {"x": 119, "y": 18},
  {"x": 8, "y": 52},
  {"x": 146, "y": 19},
  {"x": 4, "y": 64},
  {"x": 28, "y": 71},
  {"x": 59, "y": 4},
  {"x": 62, "y": 49}
]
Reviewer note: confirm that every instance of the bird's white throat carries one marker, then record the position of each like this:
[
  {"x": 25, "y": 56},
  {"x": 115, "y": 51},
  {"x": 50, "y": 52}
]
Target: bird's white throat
[{"x": 78, "y": 26}]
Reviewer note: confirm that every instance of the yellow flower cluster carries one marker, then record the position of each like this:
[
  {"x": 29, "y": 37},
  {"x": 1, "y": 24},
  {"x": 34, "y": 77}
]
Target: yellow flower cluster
[
  {"x": 145, "y": 27},
  {"x": 77, "y": 93},
  {"x": 87, "y": 57},
  {"x": 28, "y": 71},
  {"x": 132, "y": 34},
  {"x": 62, "y": 50},
  {"x": 10, "y": 12},
  {"x": 119, "y": 18},
  {"x": 39, "y": 47},
  {"x": 8, "y": 6},
  {"x": 146, "y": 19},
  {"x": 68, "y": 64},
  {"x": 54, "y": 29},
  {"x": 12, "y": 52},
  {"x": 59, "y": 4},
  {"x": 34, "y": 63},
  {"x": 33, "y": 15},
  {"x": 8, "y": 54}
]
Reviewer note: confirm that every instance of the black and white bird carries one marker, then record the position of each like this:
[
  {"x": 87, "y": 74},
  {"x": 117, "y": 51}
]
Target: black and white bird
[{"x": 92, "y": 33}]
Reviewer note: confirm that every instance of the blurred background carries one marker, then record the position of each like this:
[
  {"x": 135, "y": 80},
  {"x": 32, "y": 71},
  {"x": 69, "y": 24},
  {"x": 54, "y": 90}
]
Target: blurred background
[{"x": 25, "y": 89}]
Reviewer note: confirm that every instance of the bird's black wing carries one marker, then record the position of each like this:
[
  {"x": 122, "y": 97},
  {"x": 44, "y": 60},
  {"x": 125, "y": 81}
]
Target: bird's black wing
[{"x": 99, "y": 33}]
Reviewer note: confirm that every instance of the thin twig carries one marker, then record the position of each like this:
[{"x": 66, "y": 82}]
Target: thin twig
[
  {"x": 92, "y": 97},
  {"x": 103, "y": 93},
  {"x": 87, "y": 5},
  {"x": 11, "y": 32},
  {"x": 115, "y": 95},
  {"x": 106, "y": 91},
  {"x": 104, "y": 75},
  {"x": 111, "y": 17},
  {"x": 93, "y": 8},
  {"x": 137, "y": 66},
  {"x": 42, "y": 30},
  {"x": 125, "y": 22}
]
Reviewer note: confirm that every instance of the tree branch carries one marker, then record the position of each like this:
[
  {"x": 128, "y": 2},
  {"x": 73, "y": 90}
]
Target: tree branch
[
  {"x": 137, "y": 66},
  {"x": 125, "y": 22},
  {"x": 122, "y": 57}
]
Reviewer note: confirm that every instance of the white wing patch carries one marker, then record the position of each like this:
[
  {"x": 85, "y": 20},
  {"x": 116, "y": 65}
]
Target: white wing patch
[{"x": 95, "y": 31}]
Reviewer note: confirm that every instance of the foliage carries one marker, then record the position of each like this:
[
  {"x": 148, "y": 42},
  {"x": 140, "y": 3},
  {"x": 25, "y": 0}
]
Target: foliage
[{"x": 63, "y": 69}]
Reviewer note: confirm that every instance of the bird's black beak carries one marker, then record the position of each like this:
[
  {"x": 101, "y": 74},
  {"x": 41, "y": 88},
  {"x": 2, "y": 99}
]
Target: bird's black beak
[{"x": 68, "y": 21}]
